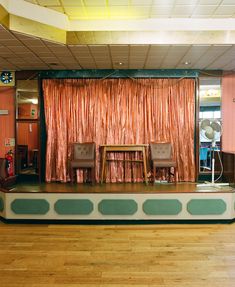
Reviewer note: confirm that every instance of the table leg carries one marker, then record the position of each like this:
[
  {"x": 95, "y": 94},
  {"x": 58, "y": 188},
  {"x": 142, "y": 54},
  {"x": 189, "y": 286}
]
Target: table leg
[
  {"x": 103, "y": 164},
  {"x": 145, "y": 166}
]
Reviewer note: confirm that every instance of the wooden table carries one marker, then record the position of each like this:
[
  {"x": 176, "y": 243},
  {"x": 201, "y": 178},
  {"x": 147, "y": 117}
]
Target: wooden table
[{"x": 124, "y": 148}]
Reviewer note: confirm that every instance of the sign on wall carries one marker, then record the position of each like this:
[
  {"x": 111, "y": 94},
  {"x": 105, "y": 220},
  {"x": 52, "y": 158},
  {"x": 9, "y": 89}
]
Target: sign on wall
[{"x": 9, "y": 141}]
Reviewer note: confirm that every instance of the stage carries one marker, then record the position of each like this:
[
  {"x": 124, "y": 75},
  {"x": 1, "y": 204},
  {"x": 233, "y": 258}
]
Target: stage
[{"x": 129, "y": 201}]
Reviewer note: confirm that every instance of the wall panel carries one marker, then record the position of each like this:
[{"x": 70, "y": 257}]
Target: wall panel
[
  {"x": 228, "y": 113},
  {"x": 7, "y": 122}
]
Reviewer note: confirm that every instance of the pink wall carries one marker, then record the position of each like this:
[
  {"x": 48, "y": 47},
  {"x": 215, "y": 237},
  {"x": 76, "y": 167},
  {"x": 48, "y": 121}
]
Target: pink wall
[
  {"x": 228, "y": 113},
  {"x": 7, "y": 122}
]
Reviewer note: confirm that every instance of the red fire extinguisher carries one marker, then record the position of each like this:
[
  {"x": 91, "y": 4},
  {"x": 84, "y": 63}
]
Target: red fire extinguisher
[{"x": 9, "y": 158}]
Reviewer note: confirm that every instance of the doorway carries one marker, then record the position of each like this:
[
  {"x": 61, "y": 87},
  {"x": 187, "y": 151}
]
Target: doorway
[
  {"x": 210, "y": 113},
  {"x": 27, "y": 130}
]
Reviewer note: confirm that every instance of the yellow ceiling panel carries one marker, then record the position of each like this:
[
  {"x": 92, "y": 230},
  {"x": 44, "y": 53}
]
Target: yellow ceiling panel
[
  {"x": 95, "y": 2},
  {"x": 97, "y": 13},
  {"x": 74, "y": 3},
  {"x": 49, "y": 2},
  {"x": 76, "y": 12}
]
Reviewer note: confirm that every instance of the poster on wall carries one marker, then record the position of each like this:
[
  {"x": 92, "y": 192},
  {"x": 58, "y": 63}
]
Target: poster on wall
[{"x": 9, "y": 142}]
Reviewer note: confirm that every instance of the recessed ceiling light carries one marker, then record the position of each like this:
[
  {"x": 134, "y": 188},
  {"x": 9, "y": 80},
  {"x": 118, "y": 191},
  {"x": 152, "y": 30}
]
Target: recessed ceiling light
[
  {"x": 187, "y": 63},
  {"x": 118, "y": 63}
]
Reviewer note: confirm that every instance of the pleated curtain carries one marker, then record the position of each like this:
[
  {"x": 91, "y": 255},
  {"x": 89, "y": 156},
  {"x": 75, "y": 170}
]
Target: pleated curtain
[{"x": 119, "y": 111}]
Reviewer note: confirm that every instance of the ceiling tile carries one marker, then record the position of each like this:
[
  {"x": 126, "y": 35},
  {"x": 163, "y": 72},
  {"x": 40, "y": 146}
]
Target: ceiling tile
[
  {"x": 57, "y": 9},
  {"x": 225, "y": 10},
  {"x": 139, "y": 49},
  {"x": 209, "y": 2},
  {"x": 33, "y": 43},
  {"x": 119, "y": 48},
  {"x": 161, "y": 10},
  {"x": 136, "y": 65},
  {"x": 230, "y": 66},
  {"x": 139, "y": 11},
  {"x": 16, "y": 49},
  {"x": 49, "y": 2},
  {"x": 49, "y": 59},
  {"x": 118, "y": 2},
  {"x": 104, "y": 66},
  {"x": 97, "y": 12},
  {"x": 186, "y": 2},
  {"x": 152, "y": 66},
  {"x": 186, "y": 10},
  {"x": 194, "y": 54},
  {"x": 95, "y": 2},
  {"x": 204, "y": 9},
  {"x": 163, "y": 2},
  {"x": 141, "y": 2},
  {"x": 120, "y": 12},
  {"x": 5, "y": 51},
  {"x": 32, "y": 1},
  {"x": 5, "y": 35},
  {"x": 227, "y": 2},
  {"x": 75, "y": 12},
  {"x": 158, "y": 49},
  {"x": 16, "y": 61},
  {"x": 99, "y": 48},
  {"x": 72, "y": 2},
  {"x": 79, "y": 49},
  {"x": 210, "y": 55}
]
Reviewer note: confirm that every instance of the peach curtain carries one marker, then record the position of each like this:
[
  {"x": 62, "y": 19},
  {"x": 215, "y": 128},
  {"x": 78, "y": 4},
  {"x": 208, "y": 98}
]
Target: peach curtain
[{"x": 119, "y": 111}]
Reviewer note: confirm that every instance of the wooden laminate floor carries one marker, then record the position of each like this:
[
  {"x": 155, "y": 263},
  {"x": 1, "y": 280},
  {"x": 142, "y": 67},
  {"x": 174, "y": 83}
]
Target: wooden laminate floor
[{"x": 117, "y": 255}]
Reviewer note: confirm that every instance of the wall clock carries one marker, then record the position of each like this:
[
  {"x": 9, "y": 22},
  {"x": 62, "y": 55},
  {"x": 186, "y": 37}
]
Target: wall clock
[{"x": 7, "y": 78}]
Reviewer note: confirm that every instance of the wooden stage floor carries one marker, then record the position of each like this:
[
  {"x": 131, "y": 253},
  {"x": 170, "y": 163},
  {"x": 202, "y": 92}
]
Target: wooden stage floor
[{"x": 183, "y": 187}]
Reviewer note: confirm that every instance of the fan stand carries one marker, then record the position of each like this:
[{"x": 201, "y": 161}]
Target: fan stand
[{"x": 212, "y": 183}]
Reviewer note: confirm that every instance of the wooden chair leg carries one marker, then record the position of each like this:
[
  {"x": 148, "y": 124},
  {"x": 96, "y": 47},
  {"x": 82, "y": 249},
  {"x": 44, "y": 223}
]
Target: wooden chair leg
[
  {"x": 172, "y": 174},
  {"x": 93, "y": 176},
  {"x": 154, "y": 173},
  {"x": 72, "y": 175}
]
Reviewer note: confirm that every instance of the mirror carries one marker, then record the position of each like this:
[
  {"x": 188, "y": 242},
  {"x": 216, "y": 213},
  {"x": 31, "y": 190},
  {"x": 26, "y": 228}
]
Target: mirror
[
  {"x": 27, "y": 127},
  {"x": 210, "y": 112},
  {"x": 27, "y": 99}
]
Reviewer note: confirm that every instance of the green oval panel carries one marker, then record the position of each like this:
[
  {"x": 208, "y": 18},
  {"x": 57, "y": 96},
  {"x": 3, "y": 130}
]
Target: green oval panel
[
  {"x": 117, "y": 207},
  {"x": 73, "y": 206},
  {"x": 30, "y": 206},
  {"x": 206, "y": 206},
  {"x": 1, "y": 204},
  {"x": 162, "y": 207}
]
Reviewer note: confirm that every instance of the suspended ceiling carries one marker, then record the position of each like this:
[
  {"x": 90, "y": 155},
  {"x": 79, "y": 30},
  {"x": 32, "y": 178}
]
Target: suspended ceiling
[{"x": 122, "y": 34}]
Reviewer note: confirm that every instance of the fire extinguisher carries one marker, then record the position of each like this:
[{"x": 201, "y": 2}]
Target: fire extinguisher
[{"x": 9, "y": 158}]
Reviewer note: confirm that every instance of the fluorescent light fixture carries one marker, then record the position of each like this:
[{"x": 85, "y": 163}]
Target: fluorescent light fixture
[{"x": 34, "y": 101}]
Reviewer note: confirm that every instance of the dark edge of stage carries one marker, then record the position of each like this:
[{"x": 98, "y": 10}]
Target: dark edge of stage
[{"x": 115, "y": 222}]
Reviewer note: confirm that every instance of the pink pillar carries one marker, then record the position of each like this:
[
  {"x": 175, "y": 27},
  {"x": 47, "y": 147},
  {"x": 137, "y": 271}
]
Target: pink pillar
[{"x": 228, "y": 113}]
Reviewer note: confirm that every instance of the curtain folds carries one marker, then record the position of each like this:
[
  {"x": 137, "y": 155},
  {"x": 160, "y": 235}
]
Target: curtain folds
[{"x": 119, "y": 111}]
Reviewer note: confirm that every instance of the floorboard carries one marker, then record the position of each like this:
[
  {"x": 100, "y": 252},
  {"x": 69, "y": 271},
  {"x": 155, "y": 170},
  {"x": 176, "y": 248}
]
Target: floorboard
[{"x": 117, "y": 255}]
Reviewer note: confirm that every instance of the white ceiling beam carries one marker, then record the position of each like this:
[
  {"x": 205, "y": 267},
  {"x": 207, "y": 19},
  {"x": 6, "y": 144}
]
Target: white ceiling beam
[
  {"x": 156, "y": 24},
  {"x": 59, "y": 20}
]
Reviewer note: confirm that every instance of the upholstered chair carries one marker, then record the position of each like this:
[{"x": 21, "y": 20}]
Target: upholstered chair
[
  {"x": 83, "y": 156},
  {"x": 161, "y": 156}
]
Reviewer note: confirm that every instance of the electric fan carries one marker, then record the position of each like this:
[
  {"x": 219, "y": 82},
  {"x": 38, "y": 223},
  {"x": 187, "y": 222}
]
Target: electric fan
[{"x": 211, "y": 131}]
